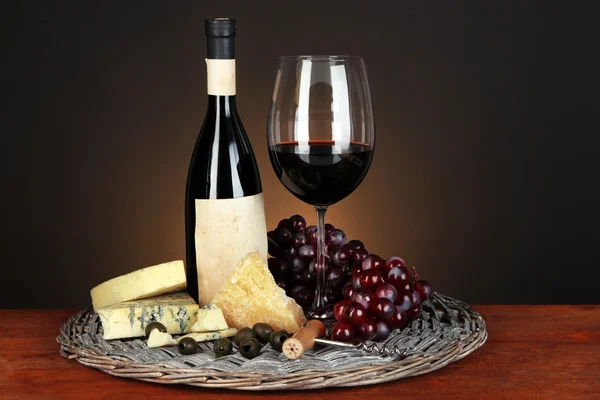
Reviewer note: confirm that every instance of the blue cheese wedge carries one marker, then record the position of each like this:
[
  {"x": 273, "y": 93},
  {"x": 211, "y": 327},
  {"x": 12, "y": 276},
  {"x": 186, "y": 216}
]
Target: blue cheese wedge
[
  {"x": 177, "y": 312},
  {"x": 210, "y": 319},
  {"x": 160, "y": 339},
  {"x": 205, "y": 336}
]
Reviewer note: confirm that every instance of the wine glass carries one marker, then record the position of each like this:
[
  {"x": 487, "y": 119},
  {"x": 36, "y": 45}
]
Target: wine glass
[{"x": 321, "y": 136}]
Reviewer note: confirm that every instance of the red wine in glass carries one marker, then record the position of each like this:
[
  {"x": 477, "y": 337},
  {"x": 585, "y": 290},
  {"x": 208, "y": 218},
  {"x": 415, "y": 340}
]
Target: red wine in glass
[{"x": 321, "y": 173}]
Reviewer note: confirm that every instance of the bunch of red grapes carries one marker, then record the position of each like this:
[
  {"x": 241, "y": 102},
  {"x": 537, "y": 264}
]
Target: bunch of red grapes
[
  {"x": 372, "y": 296},
  {"x": 381, "y": 296},
  {"x": 294, "y": 246}
]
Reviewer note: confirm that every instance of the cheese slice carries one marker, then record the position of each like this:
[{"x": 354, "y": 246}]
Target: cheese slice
[
  {"x": 146, "y": 282},
  {"x": 251, "y": 296},
  {"x": 177, "y": 312},
  {"x": 205, "y": 336},
  {"x": 160, "y": 339},
  {"x": 210, "y": 318}
]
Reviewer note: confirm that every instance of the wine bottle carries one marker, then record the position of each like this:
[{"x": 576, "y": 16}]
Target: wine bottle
[{"x": 224, "y": 206}]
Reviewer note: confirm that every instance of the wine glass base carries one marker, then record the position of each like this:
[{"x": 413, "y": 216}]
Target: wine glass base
[{"x": 321, "y": 313}]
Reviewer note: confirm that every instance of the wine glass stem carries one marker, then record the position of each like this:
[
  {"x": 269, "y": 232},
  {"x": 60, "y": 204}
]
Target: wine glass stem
[{"x": 321, "y": 265}]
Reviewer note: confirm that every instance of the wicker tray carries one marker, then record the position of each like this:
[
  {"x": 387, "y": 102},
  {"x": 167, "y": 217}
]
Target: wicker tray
[{"x": 448, "y": 331}]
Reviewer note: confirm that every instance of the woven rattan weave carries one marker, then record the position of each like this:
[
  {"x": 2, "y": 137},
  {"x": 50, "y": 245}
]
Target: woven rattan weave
[{"x": 447, "y": 331}]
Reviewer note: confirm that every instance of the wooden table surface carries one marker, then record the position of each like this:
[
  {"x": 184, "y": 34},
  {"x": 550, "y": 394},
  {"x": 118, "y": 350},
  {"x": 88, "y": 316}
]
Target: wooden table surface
[{"x": 533, "y": 352}]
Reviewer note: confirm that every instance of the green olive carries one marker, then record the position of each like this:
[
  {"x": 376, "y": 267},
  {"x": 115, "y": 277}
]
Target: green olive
[
  {"x": 277, "y": 338},
  {"x": 222, "y": 347},
  {"x": 250, "y": 348},
  {"x": 262, "y": 331},
  {"x": 187, "y": 346},
  {"x": 154, "y": 325},
  {"x": 242, "y": 334}
]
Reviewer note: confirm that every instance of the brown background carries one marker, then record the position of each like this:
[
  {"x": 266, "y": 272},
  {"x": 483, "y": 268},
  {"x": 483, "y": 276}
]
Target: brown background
[{"x": 485, "y": 173}]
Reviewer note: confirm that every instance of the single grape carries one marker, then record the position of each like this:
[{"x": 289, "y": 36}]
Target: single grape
[
  {"x": 300, "y": 239},
  {"x": 387, "y": 291},
  {"x": 416, "y": 299},
  {"x": 290, "y": 252},
  {"x": 295, "y": 289},
  {"x": 348, "y": 290},
  {"x": 307, "y": 253},
  {"x": 423, "y": 288},
  {"x": 296, "y": 277},
  {"x": 358, "y": 245},
  {"x": 343, "y": 332},
  {"x": 404, "y": 299},
  {"x": 282, "y": 283},
  {"x": 370, "y": 279},
  {"x": 420, "y": 286},
  {"x": 355, "y": 314},
  {"x": 372, "y": 261},
  {"x": 382, "y": 309},
  {"x": 399, "y": 277},
  {"x": 311, "y": 234},
  {"x": 362, "y": 296},
  {"x": 399, "y": 319},
  {"x": 328, "y": 228},
  {"x": 356, "y": 280},
  {"x": 391, "y": 263},
  {"x": 339, "y": 308},
  {"x": 283, "y": 269},
  {"x": 383, "y": 331},
  {"x": 350, "y": 249},
  {"x": 298, "y": 223},
  {"x": 340, "y": 257},
  {"x": 332, "y": 295},
  {"x": 287, "y": 224},
  {"x": 415, "y": 313},
  {"x": 335, "y": 238},
  {"x": 309, "y": 278},
  {"x": 298, "y": 265},
  {"x": 284, "y": 237},
  {"x": 304, "y": 297},
  {"x": 367, "y": 330},
  {"x": 334, "y": 278},
  {"x": 358, "y": 256}
]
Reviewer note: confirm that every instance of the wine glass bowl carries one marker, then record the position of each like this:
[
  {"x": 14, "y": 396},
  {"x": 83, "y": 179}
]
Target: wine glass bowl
[{"x": 321, "y": 134}]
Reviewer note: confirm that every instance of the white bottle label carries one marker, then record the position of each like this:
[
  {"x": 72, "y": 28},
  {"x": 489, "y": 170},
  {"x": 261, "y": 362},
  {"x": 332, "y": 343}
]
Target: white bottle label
[
  {"x": 226, "y": 230},
  {"x": 220, "y": 76}
]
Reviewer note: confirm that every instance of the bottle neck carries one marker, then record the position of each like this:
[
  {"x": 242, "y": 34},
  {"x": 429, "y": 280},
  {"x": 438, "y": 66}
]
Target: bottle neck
[
  {"x": 222, "y": 105},
  {"x": 220, "y": 75}
]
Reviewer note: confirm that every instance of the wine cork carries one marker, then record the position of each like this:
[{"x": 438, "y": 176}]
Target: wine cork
[{"x": 303, "y": 340}]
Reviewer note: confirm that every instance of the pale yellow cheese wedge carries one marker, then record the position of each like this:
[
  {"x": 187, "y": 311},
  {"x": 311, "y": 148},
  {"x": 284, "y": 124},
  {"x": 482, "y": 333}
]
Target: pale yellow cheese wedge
[
  {"x": 251, "y": 295},
  {"x": 160, "y": 339},
  {"x": 206, "y": 336},
  {"x": 141, "y": 284}
]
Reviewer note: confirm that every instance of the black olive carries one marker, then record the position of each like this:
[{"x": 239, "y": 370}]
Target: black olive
[
  {"x": 187, "y": 346},
  {"x": 277, "y": 338},
  {"x": 154, "y": 325},
  {"x": 222, "y": 347},
  {"x": 250, "y": 348},
  {"x": 242, "y": 334},
  {"x": 262, "y": 331}
]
